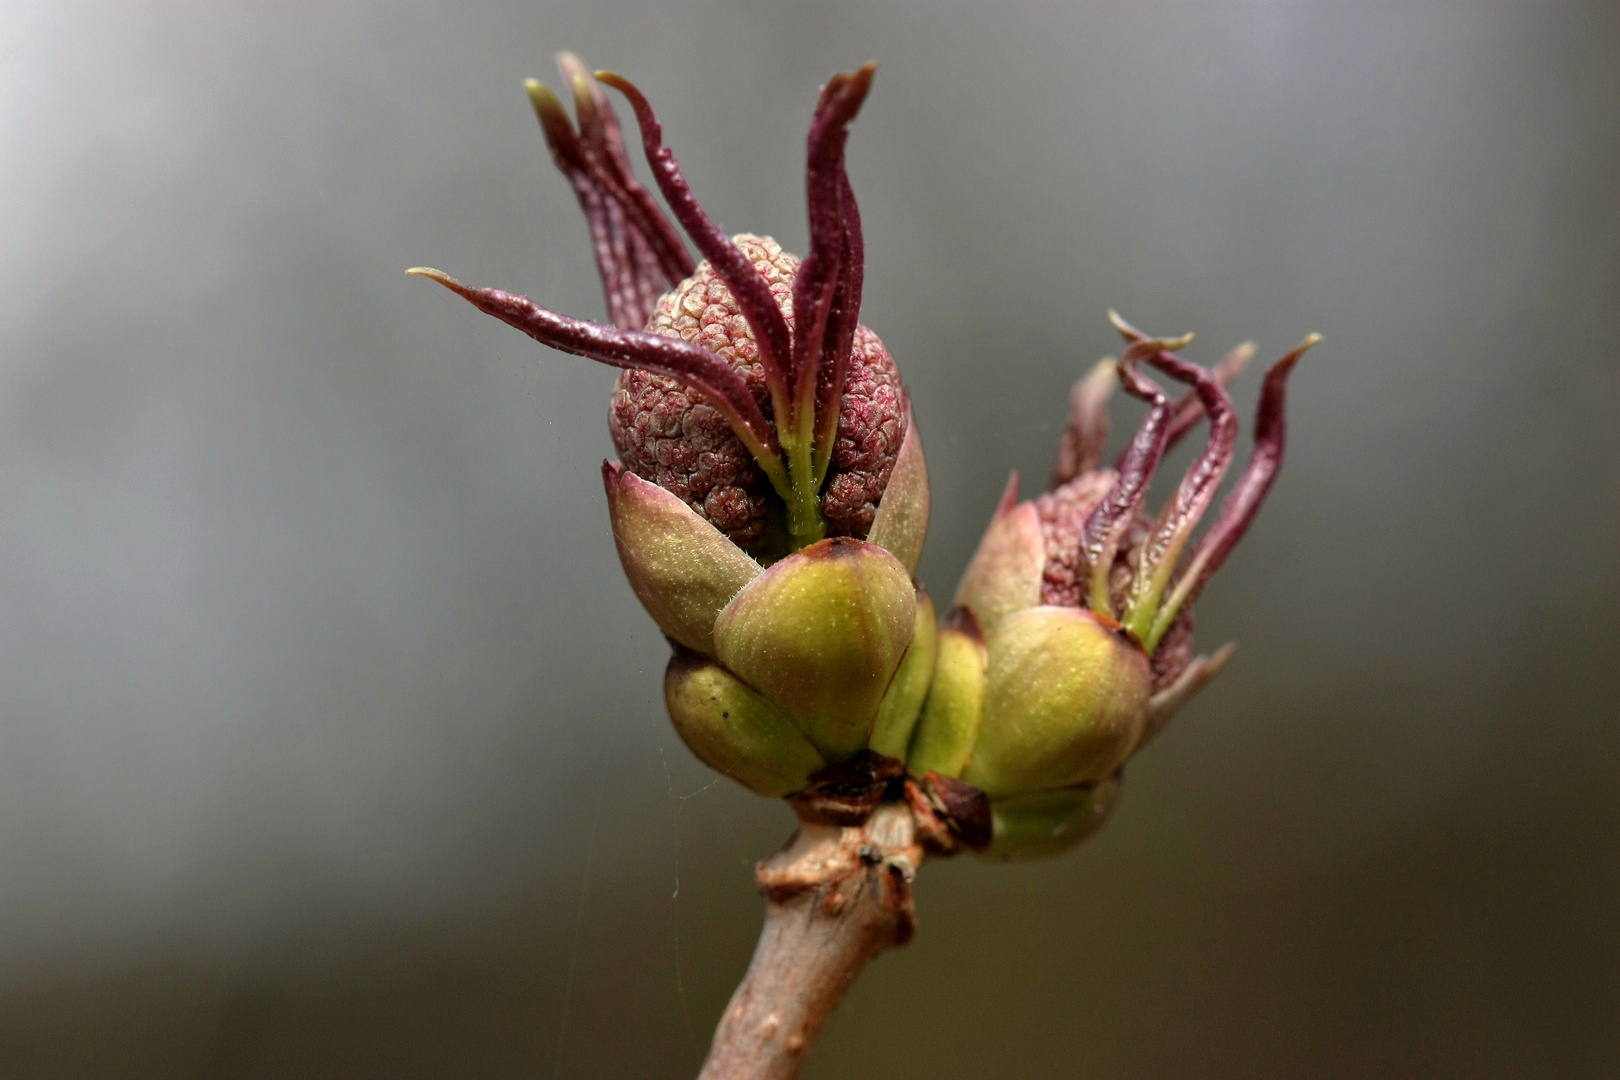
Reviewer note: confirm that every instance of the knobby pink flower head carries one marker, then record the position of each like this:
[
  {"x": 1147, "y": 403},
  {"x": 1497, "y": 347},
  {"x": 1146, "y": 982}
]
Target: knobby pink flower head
[{"x": 750, "y": 390}]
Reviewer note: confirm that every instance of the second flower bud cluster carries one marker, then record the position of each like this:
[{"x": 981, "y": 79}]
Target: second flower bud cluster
[{"x": 771, "y": 500}]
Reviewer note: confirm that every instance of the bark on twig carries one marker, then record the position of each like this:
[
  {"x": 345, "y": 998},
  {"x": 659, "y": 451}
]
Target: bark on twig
[{"x": 834, "y": 898}]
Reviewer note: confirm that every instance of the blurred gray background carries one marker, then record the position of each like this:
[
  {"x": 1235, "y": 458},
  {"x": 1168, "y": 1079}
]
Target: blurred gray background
[{"x": 331, "y": 741}]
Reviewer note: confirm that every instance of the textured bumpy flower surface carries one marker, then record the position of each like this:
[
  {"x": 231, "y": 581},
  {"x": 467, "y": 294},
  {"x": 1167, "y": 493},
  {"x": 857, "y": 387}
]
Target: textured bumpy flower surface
[{"x": 770, "y": 503}]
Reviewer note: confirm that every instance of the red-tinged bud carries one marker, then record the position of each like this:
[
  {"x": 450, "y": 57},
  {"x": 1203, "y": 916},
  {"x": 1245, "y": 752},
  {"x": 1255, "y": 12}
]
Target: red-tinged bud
[
  {"x": 1100, "y": 548},
  {"x": 1005, "y": 574},
  {"x": 771, "y": 505}
]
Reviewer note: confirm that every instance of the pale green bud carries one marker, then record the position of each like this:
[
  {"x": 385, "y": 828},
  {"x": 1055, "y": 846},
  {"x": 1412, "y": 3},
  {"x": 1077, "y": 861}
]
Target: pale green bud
[
  {"x": 820, "y": 635},
  {"x": 1005, "y": 574},
  {"x": 1065, "y": 702},
  {"x": 903, "y": 701},
  {"x": 682, "y": 569},
  {"x": 735, "y": 731},
  {"x": 1048, "y": 823},
  {"x": 901, "y": 523},
  {"x": 950, "y": 720}
]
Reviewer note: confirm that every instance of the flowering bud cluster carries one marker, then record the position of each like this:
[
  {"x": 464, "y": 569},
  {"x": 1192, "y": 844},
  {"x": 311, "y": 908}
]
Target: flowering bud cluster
[
  {"x": 771, "y": 499},
  {"x": 1072, "y": 634}
]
